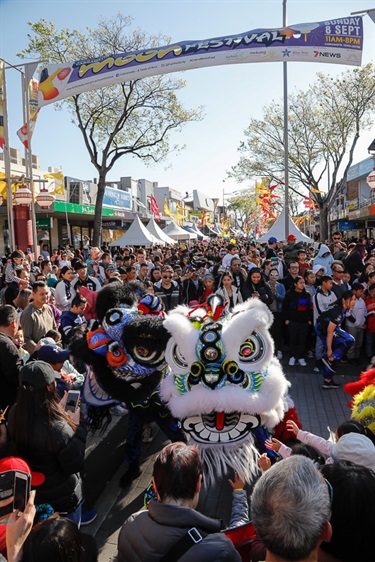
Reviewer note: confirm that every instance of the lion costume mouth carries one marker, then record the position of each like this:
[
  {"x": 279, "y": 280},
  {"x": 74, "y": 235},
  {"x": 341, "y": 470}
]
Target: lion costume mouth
[{"x": 220, "y": 427}]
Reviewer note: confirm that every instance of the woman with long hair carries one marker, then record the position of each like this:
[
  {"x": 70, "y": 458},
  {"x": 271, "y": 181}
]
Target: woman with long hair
[
  {"x": 255, "y": 286},
  {"x": 63, "y": 290},
  {"x": 49, "y": 439},
  {"x": 155, "y": 274},
  {"x": 354, "y": 263},
  {"x": 298, "y": 317},
  {"x": 229, "y": 291}
]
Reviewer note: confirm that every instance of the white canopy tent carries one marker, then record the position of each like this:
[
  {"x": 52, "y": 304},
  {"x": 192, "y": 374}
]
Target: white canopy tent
[
  {"x": 195, "y": 230},
  {"x": 278, "y": 231},
  {"x": 157, "y": 231},
  {"x": 137, "y": 235},
  {"x": 178, "y": 233}
]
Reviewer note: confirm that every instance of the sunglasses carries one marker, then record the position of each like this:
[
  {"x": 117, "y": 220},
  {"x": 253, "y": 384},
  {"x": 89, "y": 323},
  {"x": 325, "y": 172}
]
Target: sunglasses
[{"x": 167, "y": 276}]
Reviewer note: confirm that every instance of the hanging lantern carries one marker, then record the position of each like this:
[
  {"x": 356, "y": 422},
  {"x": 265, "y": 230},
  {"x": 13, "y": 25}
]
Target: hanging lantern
[
  {"x": 44, "y": 199},
  {"x": 371, "y": 179},
  {"x": 23, "y": 196}
]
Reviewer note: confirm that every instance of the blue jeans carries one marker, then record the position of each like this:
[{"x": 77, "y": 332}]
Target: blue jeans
[
  {"x": 75, "y": 516},
  {"x": 341, "y": 342}
]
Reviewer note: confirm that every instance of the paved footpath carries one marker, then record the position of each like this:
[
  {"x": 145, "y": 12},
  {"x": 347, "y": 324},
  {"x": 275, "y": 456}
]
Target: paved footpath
[{"x": 319, "y": 411}]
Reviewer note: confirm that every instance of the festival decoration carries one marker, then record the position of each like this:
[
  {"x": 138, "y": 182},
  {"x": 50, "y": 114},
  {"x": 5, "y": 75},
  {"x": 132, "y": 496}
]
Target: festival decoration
[
  {"x": 226, "y": 386},
  {"x": 338, "y": 41},
  {"x": 155, "y": 208}
]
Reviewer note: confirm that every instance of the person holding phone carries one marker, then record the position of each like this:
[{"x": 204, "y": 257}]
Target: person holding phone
[{"x": 49, "y": 438}]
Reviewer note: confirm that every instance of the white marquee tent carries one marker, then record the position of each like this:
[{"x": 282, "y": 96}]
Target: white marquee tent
[
  {"x": 195, "y": 230},
  {"x": 278, "y": 231},
  {"x": 137, "y": 235},
  {"x": 178, "y": 233},
  {"x": 157, "y": 231}
]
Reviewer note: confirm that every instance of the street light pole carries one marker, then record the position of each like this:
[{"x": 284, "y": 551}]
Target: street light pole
[
  {"x": 286, "y": 140},
  {"x": 29, "y": 157},
  {"x": 7, "y": 164}
]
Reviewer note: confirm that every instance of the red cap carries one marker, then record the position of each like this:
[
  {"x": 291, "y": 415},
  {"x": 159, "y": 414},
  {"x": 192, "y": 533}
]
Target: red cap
[
  {"x": 16, "y": 463},
  {"x": 292, "y": 237}
]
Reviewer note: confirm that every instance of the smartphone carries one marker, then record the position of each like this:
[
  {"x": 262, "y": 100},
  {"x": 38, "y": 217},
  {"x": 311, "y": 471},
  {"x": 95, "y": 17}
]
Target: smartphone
[
  {"x": 72, "y": 400},
  {"x": 6, "y": 490},
  {"x": 28, "y": 251},
  {"x": 17, "y": 484},
  {"x": 21, "y": 490}
]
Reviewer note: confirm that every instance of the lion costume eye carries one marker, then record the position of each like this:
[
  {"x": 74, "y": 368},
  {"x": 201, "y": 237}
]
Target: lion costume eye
[
  {"x": 252, "y": 349},
  {"x": 178, "y": 358},
  {"x": 142, "y": 354}
]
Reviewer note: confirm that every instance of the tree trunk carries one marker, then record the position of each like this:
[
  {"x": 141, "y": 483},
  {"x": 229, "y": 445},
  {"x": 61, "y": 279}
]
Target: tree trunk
[
  {"x": 323, "y": 220},
  {"x": 96, "y": 241}
]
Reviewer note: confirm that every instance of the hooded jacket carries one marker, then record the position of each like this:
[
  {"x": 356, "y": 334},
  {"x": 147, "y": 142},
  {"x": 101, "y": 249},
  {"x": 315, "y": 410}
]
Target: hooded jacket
[{"x": 327, "y": 261}]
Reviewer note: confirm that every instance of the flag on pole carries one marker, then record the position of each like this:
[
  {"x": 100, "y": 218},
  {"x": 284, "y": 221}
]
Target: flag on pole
[
  {"x": 33, "y": 110},
  {"x": 155, "y": 208},
  {"x": 168, "y": 212},
  {"x": 203, "y": 219}
]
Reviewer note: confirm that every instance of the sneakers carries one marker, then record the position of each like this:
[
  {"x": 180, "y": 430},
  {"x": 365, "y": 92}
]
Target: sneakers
[
  {"x": 310, "y": 354},
  {"x": 118, "y": 410},
  {"x": 330, "y": 384},
  {"x": 88, "y": 517},
  {"x": 302, "y": 362},
  {"x": 328, "y": 364},
  {"x": 316, "y": 369},
  {"x": 147, "y": 435},
  {"x": 133, "y": 471},
  {"x": 292, "y": 361},
  {"x": 279, "y": 355}
]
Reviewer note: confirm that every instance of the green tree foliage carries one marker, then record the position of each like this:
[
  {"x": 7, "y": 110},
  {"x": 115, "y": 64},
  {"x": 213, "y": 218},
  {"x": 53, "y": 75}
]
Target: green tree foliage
[
  {"x": 325, "y": 123},
  {"x": 136, "y": 117}
]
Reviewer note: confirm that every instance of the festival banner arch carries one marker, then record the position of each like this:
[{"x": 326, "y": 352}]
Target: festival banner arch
[{"x": 338, "y": 41}]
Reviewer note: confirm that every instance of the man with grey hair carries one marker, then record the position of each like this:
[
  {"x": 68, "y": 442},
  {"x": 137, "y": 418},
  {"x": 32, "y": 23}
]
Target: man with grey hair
[{"x": 290, "y": 509}]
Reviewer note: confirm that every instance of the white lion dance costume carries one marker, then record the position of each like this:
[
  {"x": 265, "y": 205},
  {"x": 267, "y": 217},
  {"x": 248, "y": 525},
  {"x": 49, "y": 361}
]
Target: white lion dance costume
[{"x": 225, "y": 382}]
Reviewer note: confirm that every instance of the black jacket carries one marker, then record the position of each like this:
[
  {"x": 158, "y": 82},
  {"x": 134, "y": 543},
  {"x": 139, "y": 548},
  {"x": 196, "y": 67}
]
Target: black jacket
[
  {"x": 59, "y": 454},
  {"x": 10, "y": 366},
  {"x": 265, "y": 293}
]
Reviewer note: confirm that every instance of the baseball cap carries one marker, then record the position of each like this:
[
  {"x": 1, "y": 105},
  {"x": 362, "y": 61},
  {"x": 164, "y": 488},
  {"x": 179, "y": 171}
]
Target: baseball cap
[
  {"x": 167, "y": 268},
  {"x": 38, "y": 374},
  {"x": 272, "y": 240},
  {"x": 112, "y": 268},
  {"x": 52, "y": 353},
  {"x": 16, "y": 463},
  {"x": 292, "y": 237}
]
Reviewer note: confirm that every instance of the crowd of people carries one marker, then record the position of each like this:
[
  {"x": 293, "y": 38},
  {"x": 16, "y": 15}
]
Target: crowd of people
[{"x": 322, "y": 297}]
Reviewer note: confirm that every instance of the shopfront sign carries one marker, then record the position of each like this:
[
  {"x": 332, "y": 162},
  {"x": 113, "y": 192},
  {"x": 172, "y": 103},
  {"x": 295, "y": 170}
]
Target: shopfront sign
[
  {"x": 112, "y": 225},
  {"x": 346, "y": 225},
  {"x": 63, "y": 207},
  {"x": 117, "y": 198}
]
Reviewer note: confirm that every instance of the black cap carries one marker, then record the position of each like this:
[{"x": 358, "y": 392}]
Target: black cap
[{"x": 37, "y": 375}]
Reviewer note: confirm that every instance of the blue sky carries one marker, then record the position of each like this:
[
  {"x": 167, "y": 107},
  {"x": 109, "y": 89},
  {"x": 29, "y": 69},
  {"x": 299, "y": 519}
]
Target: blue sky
[{"x": 229, "y": 94}]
